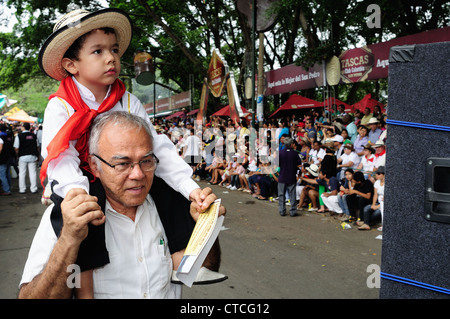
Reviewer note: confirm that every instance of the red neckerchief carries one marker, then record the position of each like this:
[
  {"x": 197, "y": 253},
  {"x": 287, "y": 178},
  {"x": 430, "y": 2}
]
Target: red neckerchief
[
  {"x": 369, "y": 159},
  {"x": 380, "y": 154},
  {"x": 77, "y": 126}
]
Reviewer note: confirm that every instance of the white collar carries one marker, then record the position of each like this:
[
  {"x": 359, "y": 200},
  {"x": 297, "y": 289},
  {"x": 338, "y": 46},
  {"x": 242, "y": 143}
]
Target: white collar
[{"x": 86, "y": 94}]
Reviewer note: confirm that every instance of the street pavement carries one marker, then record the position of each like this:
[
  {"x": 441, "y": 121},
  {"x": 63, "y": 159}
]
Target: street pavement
[{"x": 265, "y": 256}]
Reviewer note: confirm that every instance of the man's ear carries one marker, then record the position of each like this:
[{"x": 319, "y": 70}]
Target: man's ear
[
  {"x": 69, "y": 65},
  {"x": 93, "y": 165}
]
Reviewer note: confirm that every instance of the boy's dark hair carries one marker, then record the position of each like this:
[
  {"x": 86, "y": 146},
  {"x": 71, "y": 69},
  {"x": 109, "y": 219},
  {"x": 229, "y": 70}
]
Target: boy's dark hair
[{"x": 74, "y": 50}]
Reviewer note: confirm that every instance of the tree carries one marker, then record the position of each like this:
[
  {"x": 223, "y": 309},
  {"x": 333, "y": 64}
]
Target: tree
[{"x": 182, "y": 34}]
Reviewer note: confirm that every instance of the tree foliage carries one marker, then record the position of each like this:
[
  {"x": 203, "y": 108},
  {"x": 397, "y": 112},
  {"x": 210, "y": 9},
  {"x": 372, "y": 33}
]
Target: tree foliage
[{"x": 181, "y": 34}]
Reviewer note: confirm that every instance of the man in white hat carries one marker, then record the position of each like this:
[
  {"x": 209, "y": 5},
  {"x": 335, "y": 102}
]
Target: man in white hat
[
  {"x": 83, "y": 52},
  {"x": 380, "y": 155},
  {"x": 375, "y": 132}
]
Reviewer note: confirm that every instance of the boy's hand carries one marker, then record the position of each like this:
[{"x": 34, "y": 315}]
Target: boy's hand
[
  {"x": 78, "y": 210},
  {"x": 198, "y": 197}
]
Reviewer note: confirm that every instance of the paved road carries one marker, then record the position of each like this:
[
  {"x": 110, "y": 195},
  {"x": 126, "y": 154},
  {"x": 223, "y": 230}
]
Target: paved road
[{"x": 264, "y": 255}]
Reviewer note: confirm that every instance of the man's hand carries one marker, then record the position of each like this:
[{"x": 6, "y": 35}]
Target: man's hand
[
  {"x": 78, "y": 210},
  {"x": 208, "y": 198}
]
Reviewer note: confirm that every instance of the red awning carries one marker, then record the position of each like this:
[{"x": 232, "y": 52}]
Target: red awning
[
  {"x": 176, "y": 114},
  {"x": 297, "y": 102},
  {"x": 193, "y": 112}
]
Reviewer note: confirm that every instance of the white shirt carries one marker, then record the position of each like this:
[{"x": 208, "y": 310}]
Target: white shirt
[
  {"x": 352, "y": 157},
  {"x": 140, "y": 262},
  {"x": 315, "y": 155},
  {"x": 192, "y": 144},
  {"x": 380, "y": 161},
  {"x": 65, "y": 168},
  {"x": 368, "y": 163},
  {"x": 380, "y": 193}
]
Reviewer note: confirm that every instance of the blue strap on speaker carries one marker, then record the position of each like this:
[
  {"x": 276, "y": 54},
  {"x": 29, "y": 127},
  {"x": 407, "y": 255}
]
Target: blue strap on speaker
[
  {"x": 398, "y": 278},
  {"x": 419, "y": 125},
  {"x": 415, "y": 283}
]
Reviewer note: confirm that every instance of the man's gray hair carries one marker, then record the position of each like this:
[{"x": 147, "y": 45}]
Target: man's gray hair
[
  {"x": 117, "y": 119},
  {"x": 288, "y": 141}
]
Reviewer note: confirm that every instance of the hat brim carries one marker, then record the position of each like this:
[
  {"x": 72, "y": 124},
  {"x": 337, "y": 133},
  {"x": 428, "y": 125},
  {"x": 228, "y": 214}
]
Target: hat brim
[{"x": 54, "y": 48}]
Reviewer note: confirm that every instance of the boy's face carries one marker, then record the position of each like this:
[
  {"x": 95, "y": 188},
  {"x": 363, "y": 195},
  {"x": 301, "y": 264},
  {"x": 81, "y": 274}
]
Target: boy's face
[{"x": 99, "y": 63}]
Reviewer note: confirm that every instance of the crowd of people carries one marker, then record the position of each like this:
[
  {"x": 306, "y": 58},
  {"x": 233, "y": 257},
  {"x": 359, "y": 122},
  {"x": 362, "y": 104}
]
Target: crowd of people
[
  {"x": 341, "y": 156},
  {"x": 20, "y": 145},
  {"x": 342, "y": 159}
]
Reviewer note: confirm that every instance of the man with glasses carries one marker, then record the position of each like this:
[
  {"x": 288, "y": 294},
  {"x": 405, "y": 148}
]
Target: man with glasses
[{"x": 121, "y": 158}]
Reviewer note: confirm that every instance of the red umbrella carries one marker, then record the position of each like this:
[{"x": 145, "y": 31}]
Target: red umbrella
[
  {"x": 297, "y": 102},
  {"x": 369, "y": 102},
  {"x": 330, "y": 101}
]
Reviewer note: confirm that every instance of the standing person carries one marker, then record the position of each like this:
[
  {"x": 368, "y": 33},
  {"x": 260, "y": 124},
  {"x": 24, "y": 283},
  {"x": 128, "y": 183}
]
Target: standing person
[
  {"x": 140, "y": 266},
  {"x": 191, "y": 150},
  {"x": 26, "y": 148},
  {"x": 39, "y": 140},
  {"x": 289, "y": 161},
  {"x": 84, "y": 54},
  {"x": 6, "y": 153}
]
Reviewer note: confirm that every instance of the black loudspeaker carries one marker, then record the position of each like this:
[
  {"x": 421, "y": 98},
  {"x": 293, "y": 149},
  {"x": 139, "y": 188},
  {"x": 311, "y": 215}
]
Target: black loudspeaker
[{"x": 415, "y": 261}]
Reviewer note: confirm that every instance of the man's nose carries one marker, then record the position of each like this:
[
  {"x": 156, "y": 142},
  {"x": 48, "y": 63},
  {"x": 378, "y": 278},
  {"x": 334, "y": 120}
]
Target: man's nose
[{"x": 136, "y": 172}]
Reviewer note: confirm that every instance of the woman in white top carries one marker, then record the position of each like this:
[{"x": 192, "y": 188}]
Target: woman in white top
[
  {"x": 374, "y": 212},
  {"x": 348, "y": 160}
]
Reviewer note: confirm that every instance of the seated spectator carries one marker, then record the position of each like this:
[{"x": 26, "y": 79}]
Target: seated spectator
[
  {"x": 210, "y": 168},
  {"x": 348, "y": 160},
  {"x": 361, "y": 140},
  {"x": 367, "y": 116},
  {"x": 313, "y": 191},
  {"x": 235, "y": 176},
  {"x": 329, "y": 162},
  {"x": 226, "y": 177},
  {"x": 375, "y": 132},
  {"x": 218, "y": 171},
  {"x": 359, "y": 197},
  {"x": 380, "y": 155},
  {"x": 310, "y": 191},
  {"x": 348, "y": 184},
  {"x": 316, "y": 154},
  {"x": 367, "y": 161},
  {"x": 254, "y": 178},
  {"x": 330, "y": 198},
  {"x": 374, "y": 212},
  {"x": 268, "y": 181}
]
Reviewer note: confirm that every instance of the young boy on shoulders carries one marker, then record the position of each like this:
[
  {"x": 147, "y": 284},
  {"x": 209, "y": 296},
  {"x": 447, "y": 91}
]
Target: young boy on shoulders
[{"x": 84, "y": 52}]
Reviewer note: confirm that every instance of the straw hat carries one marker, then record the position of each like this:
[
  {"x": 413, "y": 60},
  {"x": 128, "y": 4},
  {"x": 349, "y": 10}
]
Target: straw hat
[
  {"x": 313, "y": 169},
  {"x": 73, "y": 25}
]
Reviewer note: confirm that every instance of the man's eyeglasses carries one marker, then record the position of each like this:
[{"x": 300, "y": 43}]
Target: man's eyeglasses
[{"x": 146, "y": 165}]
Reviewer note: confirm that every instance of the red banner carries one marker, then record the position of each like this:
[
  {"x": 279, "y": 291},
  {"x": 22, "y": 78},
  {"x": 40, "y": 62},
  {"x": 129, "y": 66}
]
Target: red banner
[
  {"x": 173, "y": 102},
  {"x": 360, "y": 64}
]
